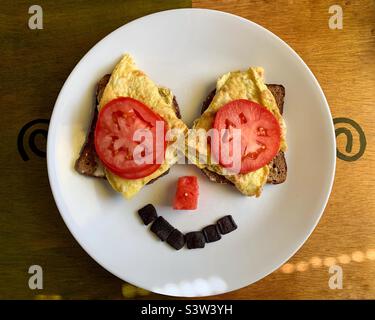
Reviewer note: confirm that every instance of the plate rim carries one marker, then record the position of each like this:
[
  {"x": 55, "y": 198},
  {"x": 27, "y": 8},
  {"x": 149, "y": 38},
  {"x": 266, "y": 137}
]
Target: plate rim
[{"x": 51, "y": 166}]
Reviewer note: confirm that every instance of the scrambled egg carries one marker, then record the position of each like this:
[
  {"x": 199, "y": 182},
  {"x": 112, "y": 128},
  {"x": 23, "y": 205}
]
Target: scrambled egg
[
  {"x": 232, "y": 86},
  {"x": 128, "y": 81}
]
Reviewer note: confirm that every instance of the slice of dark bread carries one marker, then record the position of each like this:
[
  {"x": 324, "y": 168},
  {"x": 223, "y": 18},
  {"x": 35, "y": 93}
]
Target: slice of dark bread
[
  {"x": 88, "y": 162},
  {"x": 278, "y": 167}
]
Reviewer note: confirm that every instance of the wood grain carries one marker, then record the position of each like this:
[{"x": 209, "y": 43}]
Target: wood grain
[{"x": 344, "y": 63}]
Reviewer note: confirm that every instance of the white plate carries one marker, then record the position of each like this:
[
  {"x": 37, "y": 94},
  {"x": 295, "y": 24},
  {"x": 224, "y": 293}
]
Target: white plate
[{"x": 186, "y": 50}]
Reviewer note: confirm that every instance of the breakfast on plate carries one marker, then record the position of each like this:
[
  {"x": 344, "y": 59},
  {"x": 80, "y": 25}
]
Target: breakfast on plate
[
  {"x": 128, "y": 101},
  {"x": 176, "y": 239},
  {"x": 243, "y": 101},
  {"x": 243, "y": 144}
]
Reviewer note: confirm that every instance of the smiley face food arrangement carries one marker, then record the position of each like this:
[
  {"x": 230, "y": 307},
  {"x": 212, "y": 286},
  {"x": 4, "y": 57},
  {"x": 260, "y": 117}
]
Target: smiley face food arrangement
[{"x": 129, "y": 142}]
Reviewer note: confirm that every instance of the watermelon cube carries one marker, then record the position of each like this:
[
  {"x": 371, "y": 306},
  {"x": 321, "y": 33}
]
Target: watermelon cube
[{"x": 187, "y": 193}]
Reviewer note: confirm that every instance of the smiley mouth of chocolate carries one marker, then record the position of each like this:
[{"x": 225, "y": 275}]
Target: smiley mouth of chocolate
[{"x": 176, "y": 239}]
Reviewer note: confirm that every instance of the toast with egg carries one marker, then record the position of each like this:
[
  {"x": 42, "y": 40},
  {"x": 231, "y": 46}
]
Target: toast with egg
[
  {"x": 278, "y": 167},
  {"x": 127, "y": 80},
  {"x": 249, "y": 85},
  {"x": 88, "y": 162}
]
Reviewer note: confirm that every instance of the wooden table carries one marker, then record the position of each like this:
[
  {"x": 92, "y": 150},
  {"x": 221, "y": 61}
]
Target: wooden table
[{"x": 34, "y": 65}]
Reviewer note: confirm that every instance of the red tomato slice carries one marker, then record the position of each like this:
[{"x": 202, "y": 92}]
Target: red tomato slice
[
  {"x": 187, "y": 193},
  {"x": 260, "y": 133},
  {"x": 117, "y": 122}
]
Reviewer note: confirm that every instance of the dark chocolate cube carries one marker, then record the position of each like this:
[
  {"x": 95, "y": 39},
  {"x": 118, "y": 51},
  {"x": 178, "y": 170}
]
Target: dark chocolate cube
[
  {"x": 226, "y": 224},
  {"x": 176, "y": 239},
  {"x": 211, "y": 233},
  {"x": 148, "y": 214},
  {"x": 195, "y": 240},
  {"x": 161, "y": 228}
]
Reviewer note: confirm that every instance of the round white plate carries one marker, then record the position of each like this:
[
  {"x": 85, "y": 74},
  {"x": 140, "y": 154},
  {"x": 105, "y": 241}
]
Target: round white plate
[{"x": 187, "y": 50}]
